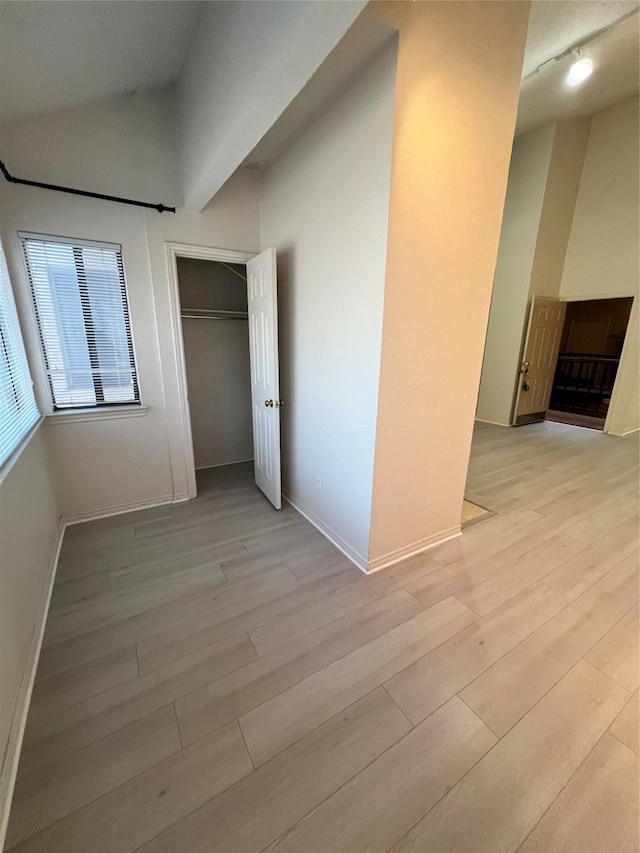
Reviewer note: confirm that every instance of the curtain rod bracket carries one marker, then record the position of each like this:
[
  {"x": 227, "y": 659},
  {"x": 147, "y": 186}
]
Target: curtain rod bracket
[{"x": 161, "y": 208}]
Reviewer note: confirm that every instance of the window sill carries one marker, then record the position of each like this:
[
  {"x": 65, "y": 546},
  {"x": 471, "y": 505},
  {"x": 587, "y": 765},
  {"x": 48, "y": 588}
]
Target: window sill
[{"x": 106, "y": 414}]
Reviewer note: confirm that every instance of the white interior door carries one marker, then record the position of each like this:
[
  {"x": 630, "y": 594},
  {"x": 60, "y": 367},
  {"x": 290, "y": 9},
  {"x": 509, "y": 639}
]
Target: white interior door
[
  {"x": 262, "y": 294},
  {"x": 541, "y": 347}
]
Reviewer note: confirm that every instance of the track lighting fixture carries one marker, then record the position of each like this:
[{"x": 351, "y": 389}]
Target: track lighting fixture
[{"x": 580, "y": 70}]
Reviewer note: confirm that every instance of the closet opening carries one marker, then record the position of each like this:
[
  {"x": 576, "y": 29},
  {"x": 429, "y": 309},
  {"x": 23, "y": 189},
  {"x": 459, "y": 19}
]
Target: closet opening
[{"x": 215, "y": 334}]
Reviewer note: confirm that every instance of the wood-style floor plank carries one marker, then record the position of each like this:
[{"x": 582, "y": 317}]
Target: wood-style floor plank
[
  {"x": 206, "y": 709},
  {"x": 286, "y": 718},
  {"x": 66, "y": 625},
  {"x": 259, "y": 808},
  {"x": 54, "y": 694},
  {"x": 207, "y": 628},
  {"x": 51, "y": 738},
  {"x": 286, "y": 628},
  {"x": 624, "y": 575},
  {"x": 233, "y": 598},
  {"x": 139, "y": 809},
  {"x": 75, "y": 567},
  {"x": 598, "y": 809},
  {"x": 378, "y": 806},
  {"x": 509, "y": 580},
  {"x": 502, "y": 694},
  {"x": 626, "y": 726},
  {"x": 589, "y": 566},
  {"x": 616, "y": 654},
  {"x": 497, "y": 804},
  {"x": 476, "y": 698},
  {"x": 51, "y": 794},
  {"x": 430, "y": 681}
]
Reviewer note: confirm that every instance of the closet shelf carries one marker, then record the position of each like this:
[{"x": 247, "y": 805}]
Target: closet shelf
[{"x": 212, "y": 314}]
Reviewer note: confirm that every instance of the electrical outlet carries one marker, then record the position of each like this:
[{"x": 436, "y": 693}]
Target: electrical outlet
[{"x": 319, "y": 483}]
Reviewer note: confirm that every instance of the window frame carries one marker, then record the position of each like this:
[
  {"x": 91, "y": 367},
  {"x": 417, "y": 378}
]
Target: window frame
[
  {"x": 85, "y": 411},
  {"x": 18, "y": 346}
]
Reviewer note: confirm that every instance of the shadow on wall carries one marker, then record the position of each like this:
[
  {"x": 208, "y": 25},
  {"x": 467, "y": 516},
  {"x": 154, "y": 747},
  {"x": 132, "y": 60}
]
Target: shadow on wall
[{"x": 285, "y": 273}]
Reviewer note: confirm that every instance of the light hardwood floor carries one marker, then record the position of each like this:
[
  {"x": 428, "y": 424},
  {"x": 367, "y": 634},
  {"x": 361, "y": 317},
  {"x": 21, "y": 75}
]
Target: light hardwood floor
[{"x": 217, "y": 678}]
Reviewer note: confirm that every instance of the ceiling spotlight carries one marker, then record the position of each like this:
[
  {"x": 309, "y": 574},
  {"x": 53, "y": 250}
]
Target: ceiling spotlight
[{"x": 580, "y": 70}]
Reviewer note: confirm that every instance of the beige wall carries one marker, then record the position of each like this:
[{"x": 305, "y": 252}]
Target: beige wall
[
  {"x": 528, "y": 173},
  {"x": 456, "y": 99},
  {"x": 324, "y": 207},
  {"x": 603, "y": 251},
  {"x": 578, "y": 200},
  {"x": 29, "y": 536},
  {"x": 561, "y": 191},
  {"x": 217, "y": 363},
  {"x": 121, "y": 146},
  {"x": 602, "y": 254}
]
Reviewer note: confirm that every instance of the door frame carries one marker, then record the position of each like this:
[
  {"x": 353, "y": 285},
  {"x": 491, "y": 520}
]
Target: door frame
[
  {"x": 624, "y": 355},
  {"x": 204, "y": 253}
]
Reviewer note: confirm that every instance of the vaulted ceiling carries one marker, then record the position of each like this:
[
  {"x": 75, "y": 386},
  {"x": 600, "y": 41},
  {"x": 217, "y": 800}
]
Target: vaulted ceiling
[
  {"x": 556, "y": 25},
  {"x": 59, "y": 53}
]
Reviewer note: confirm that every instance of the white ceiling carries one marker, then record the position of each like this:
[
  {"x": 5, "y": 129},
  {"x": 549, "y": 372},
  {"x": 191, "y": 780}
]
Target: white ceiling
[
  {"x": 58, "y": 53},
  {"x": 554, "y": 26},
  {"x": 55, "y": 54}
]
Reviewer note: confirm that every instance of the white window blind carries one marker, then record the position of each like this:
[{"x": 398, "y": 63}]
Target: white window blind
[
  {"x": 18, "y": 410},
  {"x": 80, "y": 298}
]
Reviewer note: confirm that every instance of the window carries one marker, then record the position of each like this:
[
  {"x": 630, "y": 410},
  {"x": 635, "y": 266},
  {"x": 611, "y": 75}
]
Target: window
[
  {"x": 80, "y": 298},
  {"x": 18, "y": 410}
]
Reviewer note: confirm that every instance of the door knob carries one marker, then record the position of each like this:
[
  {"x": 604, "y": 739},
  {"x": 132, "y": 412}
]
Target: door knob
[
  {"x": 279, "y": 403},
  {"x": 269, "y": 404}
]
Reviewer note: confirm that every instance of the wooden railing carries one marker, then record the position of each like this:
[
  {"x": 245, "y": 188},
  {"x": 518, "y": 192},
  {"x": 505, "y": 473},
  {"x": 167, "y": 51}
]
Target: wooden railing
[{"x": 583, "y": 382}]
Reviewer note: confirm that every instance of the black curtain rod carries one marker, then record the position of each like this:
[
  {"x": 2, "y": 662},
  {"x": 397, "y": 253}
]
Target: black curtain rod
[{"x": 161, "y": 208}]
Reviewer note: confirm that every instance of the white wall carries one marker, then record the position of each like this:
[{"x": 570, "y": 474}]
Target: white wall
[
  {"x": 29, "y": 537},
  {"x": 324, "y": 207},
  {"x": 246, "y": 63},
  {"x": 603, "y": 252},
  {"x": 217, "y": 364},
  {"x": 123, "y": 146},
  {"x": 530, "y": 161}
]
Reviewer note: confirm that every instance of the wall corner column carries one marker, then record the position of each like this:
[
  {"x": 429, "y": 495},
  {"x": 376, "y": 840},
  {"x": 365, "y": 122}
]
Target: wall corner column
[{"x": 455, "y": 108}]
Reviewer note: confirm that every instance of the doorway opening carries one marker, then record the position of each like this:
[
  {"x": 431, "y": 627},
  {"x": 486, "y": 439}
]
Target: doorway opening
[
  {"x": 257, "y": 297},
  {"x": 215, "y": 334},
  {"x": 593, "y": 335}
]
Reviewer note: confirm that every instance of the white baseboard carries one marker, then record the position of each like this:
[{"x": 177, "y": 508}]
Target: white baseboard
[
  {"x": 624, "y": 432},
  {"x": 350, "y": 553},
  {"x": 412, "y": 550},
  {"x": 493, "y": 423},
  {"x": 369, "y": 567},
  {"x": 124, "y": 508},
  {"x": 223, "y": 464},
  {"x": 16, "y": 733}
]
